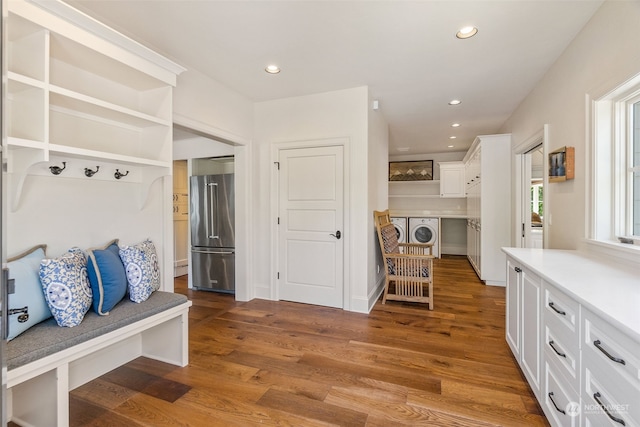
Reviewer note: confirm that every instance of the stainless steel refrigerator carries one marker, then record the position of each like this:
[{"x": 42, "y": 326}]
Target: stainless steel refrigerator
[{"x": 212, "y": 232}]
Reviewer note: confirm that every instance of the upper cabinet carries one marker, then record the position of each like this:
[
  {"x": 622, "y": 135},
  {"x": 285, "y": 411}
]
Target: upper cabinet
[
  {"x": 452, "y": 183},
  {"x": 78, "y": 90}
]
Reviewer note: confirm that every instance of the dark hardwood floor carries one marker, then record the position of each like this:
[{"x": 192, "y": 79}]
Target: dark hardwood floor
[{"x": 289, "y": 364}]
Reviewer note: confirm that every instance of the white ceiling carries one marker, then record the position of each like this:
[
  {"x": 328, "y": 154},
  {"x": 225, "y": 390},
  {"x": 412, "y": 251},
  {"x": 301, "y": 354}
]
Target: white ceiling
[{"x": 405, "y": 51}]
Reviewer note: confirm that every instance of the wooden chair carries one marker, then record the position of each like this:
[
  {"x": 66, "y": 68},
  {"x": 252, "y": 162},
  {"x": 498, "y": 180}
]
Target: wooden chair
[{"x": 408, "y": 266}]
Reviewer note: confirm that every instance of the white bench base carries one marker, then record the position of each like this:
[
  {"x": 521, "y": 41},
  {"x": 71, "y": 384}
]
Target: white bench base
[{"x": 38, "y": 392}]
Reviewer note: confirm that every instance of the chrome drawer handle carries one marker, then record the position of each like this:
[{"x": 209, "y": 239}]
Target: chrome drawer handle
[
  {"x": 551, "y": 344},
  {"x": 553, "y": 307},
  {"x": 606, "y": 353},
  {"x": 554, "y": 404},
  {"x": 597, "y": 397}
]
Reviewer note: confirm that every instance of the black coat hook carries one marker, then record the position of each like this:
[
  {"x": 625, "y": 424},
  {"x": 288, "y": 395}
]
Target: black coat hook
[
  {"x": 88, "y": 172},
  {"x": 119, "y": 174},
  {"x": 57, "y": 170}
]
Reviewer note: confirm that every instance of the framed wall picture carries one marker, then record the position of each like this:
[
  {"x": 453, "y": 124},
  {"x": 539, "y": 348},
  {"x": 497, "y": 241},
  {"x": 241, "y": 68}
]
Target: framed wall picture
[
  {"x": 561, "y": 164},
  {"x": 414, "y": 170}
]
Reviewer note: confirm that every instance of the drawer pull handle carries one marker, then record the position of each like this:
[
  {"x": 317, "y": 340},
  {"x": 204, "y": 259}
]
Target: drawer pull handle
[
  {"x": 551, "y": 344},
  {"x": 597, "y": 396},
  {"x": 554, "y": 403},
  {"x": 553, "y": 307},
  {"x": 606, "y": 353}
]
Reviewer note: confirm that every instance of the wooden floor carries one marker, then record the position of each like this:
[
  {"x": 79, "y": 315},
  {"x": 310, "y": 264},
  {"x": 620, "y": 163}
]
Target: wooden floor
[{"x": 289, "y": 364}]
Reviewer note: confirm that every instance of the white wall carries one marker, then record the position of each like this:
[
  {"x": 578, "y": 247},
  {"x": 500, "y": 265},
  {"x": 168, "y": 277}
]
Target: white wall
[
  {"x": 378, "y": 158},
  {"x": 603, "y": 55},
  {"x": 339, "y": 114},
  {"x": 211, "y": 108}
]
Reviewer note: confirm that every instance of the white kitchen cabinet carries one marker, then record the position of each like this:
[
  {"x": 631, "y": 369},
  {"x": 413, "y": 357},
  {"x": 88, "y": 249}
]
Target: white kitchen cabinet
[
  {"x": 523, "y": 297},
  {"x": 452, "y": 179},
  {"x": 514, "y": 306},
  {"x": 488, "y": 189},
  {"x": 589, "y": 351},
  {"x": 611, "y": 372}
]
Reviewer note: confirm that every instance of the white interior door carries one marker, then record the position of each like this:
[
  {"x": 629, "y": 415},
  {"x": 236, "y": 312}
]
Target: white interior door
[{"x": 310, "y": 231}]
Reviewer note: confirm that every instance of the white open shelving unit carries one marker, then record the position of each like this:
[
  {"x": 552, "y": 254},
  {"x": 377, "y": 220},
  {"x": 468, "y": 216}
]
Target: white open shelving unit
[{"x": 73, "y": 96}]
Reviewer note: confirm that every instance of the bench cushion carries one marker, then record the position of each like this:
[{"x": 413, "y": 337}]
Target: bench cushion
[{"x": 48, "y": 338}]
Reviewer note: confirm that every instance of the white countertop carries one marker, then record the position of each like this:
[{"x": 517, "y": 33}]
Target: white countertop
[{"x": 609, "y": 289}]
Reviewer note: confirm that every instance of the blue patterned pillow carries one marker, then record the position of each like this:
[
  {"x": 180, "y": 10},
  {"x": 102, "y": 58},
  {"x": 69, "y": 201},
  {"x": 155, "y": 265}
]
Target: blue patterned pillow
[
  {"x": 28, "y": 291},
  {"x": 66, "y": 287},
  {"x": 141, "y": 264},
  {"x": 107, "y": 277}
]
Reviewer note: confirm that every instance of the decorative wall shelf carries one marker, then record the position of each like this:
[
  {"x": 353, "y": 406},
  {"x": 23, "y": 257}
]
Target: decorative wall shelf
[{"x": 562, "y": 164}]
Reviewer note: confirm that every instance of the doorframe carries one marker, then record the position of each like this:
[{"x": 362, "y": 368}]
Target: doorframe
[
  {"x": 276, "y": 147},
  {"x": 245, "y": 290},
  {"x": 521, "y": 197}
]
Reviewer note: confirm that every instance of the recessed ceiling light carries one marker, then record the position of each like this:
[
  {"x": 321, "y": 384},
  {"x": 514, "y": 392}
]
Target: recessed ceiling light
[
  {"x": 450, "y": 146},
  {"x": 452, "y": 137},
  {"x": 403, "y": 149},
  {"x": 272, "y": 69},
  {"x": 455, "y": 125},
  {"x": 455, "y": 102},
  {"x": 466, "y": 32}
]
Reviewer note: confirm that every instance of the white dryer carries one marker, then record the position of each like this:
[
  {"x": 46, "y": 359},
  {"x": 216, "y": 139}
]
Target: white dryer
[
  {"x": 425, "y": 230},
  {"x": 400, "y": 223}
]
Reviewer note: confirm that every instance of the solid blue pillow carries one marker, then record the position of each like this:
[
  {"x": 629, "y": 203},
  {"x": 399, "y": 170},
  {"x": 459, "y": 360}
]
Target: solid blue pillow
[
  {"x": 107, "y": 277},
  {"x": 24, "y": 270}
]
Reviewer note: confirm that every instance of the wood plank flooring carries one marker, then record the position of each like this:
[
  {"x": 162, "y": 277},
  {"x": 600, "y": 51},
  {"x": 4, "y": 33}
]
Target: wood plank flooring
[{"x": 288, "y": 364}]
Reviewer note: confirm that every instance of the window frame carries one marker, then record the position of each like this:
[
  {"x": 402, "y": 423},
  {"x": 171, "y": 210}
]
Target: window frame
[{"x": 610, "y": 197}]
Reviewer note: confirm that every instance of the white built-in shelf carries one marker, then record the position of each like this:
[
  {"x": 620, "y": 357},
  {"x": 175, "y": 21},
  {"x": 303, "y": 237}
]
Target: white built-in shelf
[
  {"x": 87, "y": 105},
  {"x": 73, "y": 97}
]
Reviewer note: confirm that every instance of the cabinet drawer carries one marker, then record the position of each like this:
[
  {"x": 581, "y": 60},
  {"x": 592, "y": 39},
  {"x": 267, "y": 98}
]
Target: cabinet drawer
[
  {"x": 561, "y": 402},
  {"x": 563, "y": 352},
  {"x": 613, "y": 351},
  {"x": 561, "y": 312},
  {"x": 608, "y": 399}
]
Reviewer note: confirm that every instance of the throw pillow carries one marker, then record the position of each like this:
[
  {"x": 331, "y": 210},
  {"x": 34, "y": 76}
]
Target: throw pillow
[
  {"x": 28, "y": 298},
  {"x": 107, "y": 277},
  {"x": 66, "y": 287},
  {"x": 141, "y": 265}
]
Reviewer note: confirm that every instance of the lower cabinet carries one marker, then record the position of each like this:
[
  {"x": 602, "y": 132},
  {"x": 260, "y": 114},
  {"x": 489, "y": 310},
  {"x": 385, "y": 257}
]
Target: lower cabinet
[
  {"x": 524, "y": 296},
  {"x": 583, "y": 370}
]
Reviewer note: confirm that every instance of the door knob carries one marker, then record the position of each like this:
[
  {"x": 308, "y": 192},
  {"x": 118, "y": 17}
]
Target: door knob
[{"x": 337, "y": 235}]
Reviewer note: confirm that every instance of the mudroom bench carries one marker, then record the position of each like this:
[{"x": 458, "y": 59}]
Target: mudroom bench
[{"x": 47, "y": 361}]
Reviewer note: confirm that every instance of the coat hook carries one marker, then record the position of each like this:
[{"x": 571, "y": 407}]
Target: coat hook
[
  {"x": 88, "y": 172},
  {"x": 119, "y": 174},
  {"x": 57, "y": 170}
]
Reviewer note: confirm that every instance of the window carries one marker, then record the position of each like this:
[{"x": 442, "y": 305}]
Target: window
[
  {"x": 615, "y": 184},
  {"x": 536, "y": 198}
]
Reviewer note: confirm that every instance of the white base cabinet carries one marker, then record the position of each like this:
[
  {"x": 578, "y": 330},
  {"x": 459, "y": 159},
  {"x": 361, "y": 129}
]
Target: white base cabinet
[
  {"x": 524, "y": 295},
  {"x": 575, "y": 334}
]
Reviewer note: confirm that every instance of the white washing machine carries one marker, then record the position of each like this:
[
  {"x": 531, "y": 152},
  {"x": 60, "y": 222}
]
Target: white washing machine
[
  {"x": 425, "y": 230},
  {"x": 400, "y": 223}
]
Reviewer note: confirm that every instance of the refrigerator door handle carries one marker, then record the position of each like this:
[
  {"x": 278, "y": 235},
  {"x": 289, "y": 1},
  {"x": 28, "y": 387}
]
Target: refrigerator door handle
[
  {"x": 200, "y": 251},
  {"x": 212, "y": 217}
]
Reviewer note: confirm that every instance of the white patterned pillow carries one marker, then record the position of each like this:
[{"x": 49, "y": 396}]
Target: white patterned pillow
[
  {"x": 66, "y": 287},
  {"x": 141, "y": 265}
]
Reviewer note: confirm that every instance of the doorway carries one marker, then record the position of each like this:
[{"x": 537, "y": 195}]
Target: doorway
[{"x": 531, "y": 201}]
